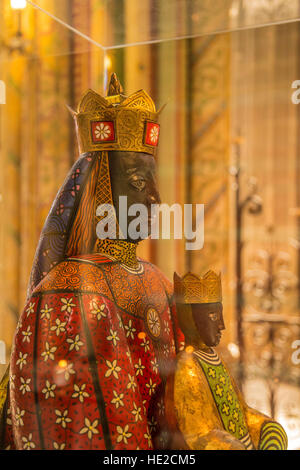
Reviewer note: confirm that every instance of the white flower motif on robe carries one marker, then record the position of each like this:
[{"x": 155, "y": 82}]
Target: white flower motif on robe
[
  {"x": 136, "y": 412},
  {"x": 46, "y": 312},
  {"x": 118, "y": 399},
  {"x": 113, "y": 368},
  {"x": 62, "y": 418},
  {"x": 58, "y": 446},
  {"x": 113, "y": 337},
  {"x": 67, "y": 370},
  {"x": 19, "y": 417},
  {"x": 124, "y": 435},
  {"x": 49, "y": 352},
  {"x": 132, "y": 382},
  {"x": 130, "y": 330},
  {"x": 30, "y": 308},
  {"x": 24, "y": 387},
  {"x": 90, "y": 428},
  {"x": 67, "y": 305},
  {"x": 139, "y": 367},
  {"x": 80, "y": 392},
  {"x": 22, "y": 360},
  {"x": 151, "y": 386},
  {"x": 148, "y": 437},
  {"x": 98, "y": 311},
  {"x": 75, "y": 343},
  {"x": 27, "y": 442},
  {"x": 59, "y": 327},
  {"x": 152, "y": 424},
  {"x": 27, "y": 335},
  {"x": 49, "y": 390}
]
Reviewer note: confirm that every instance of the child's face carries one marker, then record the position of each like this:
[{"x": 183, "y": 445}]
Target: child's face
[{"x": 209, "y": 322}]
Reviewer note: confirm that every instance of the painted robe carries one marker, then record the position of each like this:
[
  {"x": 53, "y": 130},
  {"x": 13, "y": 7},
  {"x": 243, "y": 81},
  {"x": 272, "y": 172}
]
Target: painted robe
[{"x": 91, "y": 355}]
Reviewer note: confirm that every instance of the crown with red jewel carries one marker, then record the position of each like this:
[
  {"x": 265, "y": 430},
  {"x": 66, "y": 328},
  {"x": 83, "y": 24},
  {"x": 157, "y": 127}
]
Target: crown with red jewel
[{"x": 116, "y": 122}]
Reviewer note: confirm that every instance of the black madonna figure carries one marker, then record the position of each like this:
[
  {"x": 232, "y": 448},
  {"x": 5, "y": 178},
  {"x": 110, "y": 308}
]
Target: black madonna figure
[{"x": 98, "y": 333}]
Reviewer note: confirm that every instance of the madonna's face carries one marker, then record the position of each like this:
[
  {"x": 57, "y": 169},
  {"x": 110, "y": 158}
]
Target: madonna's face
[
  {"x": 209, "y": 321},
  {"x": 133, "y": 174}
]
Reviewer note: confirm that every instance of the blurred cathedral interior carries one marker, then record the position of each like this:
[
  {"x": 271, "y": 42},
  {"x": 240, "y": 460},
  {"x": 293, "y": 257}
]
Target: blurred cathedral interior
[{"x": 229, "y": 139}]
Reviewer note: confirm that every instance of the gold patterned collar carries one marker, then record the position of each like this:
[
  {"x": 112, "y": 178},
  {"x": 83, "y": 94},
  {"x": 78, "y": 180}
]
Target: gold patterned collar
[{"x": 119, "y": 250}]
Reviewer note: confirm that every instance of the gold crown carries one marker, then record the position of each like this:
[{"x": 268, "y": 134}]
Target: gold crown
[
  {"x": 192, "y": 289},
  {"x": 116, "y": 122}
]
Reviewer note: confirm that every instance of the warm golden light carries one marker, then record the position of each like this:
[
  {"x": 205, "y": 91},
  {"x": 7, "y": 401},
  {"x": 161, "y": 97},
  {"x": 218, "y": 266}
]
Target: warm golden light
[
  {"x": 2, "y": 92},
  {"x": 107, "y": 62},
  {"x": 18, "y": 4},
  {"x": 189, "y": 349},
  {"x": 62, "y": 364},
  {"x": 142, "y": 335},
  {"x": 234, "y": 350}
]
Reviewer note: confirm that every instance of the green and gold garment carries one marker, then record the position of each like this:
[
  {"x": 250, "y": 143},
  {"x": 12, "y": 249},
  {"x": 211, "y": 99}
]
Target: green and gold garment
[
  {"x": 225, "y": 396},
  {"x": 273, "y": 437}
]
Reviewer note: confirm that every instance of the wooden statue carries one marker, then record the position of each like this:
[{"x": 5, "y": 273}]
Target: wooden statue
[
  {"x": 203, "y": 404},
  {"x": 95, "y": 341}
]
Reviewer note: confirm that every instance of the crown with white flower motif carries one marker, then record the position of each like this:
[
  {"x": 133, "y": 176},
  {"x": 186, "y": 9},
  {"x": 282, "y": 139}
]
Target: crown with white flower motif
[{"x": 116, "y": 122}]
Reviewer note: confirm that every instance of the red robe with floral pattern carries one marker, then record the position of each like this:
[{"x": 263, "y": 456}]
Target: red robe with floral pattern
[{"x": 91, "y": 354}]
